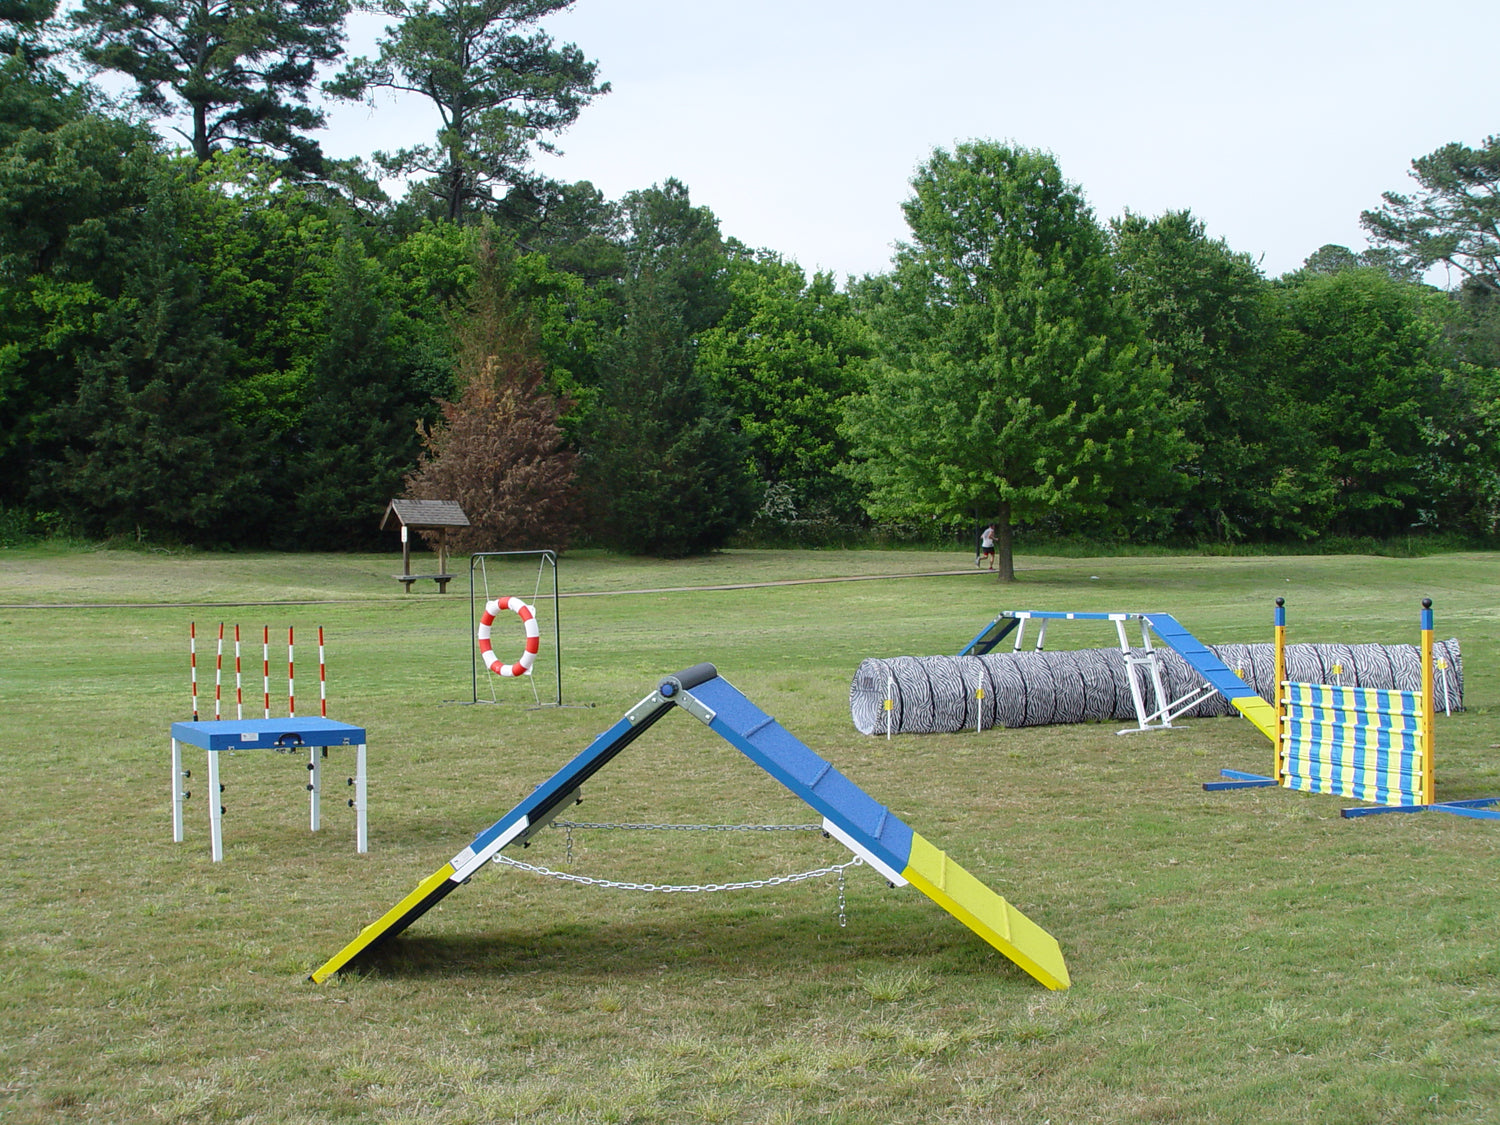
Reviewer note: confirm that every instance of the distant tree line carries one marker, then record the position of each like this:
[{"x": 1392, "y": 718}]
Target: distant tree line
[{"x": 236, "y": 341}]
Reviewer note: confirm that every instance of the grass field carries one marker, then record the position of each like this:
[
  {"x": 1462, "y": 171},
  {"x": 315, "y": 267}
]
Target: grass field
[{"x": 1236, "y": 957}]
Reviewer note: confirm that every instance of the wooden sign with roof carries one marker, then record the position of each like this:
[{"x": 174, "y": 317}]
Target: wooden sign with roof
[{"x": 425, "y": 515}]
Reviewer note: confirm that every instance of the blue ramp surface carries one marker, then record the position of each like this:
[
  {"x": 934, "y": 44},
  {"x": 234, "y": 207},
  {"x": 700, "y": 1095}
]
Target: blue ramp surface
[{"x": 1242, "y": 697}]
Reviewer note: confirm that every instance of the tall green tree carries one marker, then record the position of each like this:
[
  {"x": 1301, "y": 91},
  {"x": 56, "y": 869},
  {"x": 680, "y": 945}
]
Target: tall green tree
[
  {"x": 1454, "y": 218},
  {"x": 664, "y": 468},
  {"x": 783, "y": 358},
  {"x": 1361, "y": 358},
  {"x": 1333, "y": 258},
  {"x": 357, "y": 435},
  {"x": 500, "y": 86},
  {"x": 238, "y": 71},
  {"x": 146, "y": 446},
  {"x": 1204, "y": 310},
  {"x": 73, "y": 192},
  {"x": 1011, "y": 380}
]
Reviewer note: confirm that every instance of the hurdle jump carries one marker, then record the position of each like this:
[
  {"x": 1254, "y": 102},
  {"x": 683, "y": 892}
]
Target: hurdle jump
[{"x": 1364, "y": 744}]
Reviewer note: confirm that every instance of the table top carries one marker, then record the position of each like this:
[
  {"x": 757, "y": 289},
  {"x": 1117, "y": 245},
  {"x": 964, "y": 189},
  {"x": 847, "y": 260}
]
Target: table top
[{"x": 268, "y": 734}]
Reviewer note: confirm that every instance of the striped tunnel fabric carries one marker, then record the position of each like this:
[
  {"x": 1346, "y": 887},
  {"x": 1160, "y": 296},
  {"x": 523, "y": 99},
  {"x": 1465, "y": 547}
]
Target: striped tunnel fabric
[{"x": 941, "y": 694}]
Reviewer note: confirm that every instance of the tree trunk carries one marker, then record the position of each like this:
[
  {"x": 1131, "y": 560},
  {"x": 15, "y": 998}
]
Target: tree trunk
[{"x": 1006, "y": 571}]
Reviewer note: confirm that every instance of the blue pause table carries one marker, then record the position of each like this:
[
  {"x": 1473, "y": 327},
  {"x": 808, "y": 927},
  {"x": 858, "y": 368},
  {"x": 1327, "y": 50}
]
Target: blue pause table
[{"x": 313, "y": 734}]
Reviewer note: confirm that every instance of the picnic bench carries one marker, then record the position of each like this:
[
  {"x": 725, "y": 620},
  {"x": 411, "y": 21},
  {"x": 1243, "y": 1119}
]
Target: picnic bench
[{"x": 425, "y": 515}]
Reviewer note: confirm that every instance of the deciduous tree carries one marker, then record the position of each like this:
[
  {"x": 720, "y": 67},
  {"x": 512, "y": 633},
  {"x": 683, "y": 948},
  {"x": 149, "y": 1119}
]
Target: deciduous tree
[
  {"x": 783, "y": 358},
  {"x": 1204, "y": 310},
  {"x": 1011, "y": 380}
]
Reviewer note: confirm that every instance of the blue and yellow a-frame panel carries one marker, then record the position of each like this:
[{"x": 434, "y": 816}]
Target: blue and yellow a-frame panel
[{"x": 867, "y": 828}]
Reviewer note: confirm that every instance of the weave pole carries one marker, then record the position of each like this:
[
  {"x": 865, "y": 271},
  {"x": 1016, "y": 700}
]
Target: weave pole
[
  {"x": 265, "y": 665},
  {"x": 193, "y": 664},
  {"x": 291, "y": 679},
  {"x": 239, "y": 692},
  {"x": 322, "y": 677},
  {"x": 219, "y": 673}
]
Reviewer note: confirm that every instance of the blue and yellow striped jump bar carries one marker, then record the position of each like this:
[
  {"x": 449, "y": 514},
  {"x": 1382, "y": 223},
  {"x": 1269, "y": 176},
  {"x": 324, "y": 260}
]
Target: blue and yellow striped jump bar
[{"x": 867, "y": 828}]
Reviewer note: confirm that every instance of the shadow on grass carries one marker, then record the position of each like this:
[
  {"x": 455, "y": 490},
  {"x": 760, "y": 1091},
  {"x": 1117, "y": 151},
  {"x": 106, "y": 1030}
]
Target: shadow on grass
[{"x": 744, "y": 943}]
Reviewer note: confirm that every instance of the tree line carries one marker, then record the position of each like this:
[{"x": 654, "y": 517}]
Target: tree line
[{"x": 235, "y": 341}]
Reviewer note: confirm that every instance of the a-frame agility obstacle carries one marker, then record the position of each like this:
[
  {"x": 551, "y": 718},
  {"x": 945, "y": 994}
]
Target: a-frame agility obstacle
[{"x": 866, "y": 827}]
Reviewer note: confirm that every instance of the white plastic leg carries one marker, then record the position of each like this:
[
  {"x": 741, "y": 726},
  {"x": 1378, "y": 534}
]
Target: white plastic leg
[
  {"x": 176, "y": 792},
  {"x": 314, "y": 785},
  {"x": 215, "y": 808},
  {"x": 362, "y": 832}
]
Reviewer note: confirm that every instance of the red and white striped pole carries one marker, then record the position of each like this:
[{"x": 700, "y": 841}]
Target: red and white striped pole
[
  {"x": 265, "y": 665},
  {"x": 239, "y": 693},
  {"x": 193, "y": 663},
  {"x": 322, "y": 678},
  {"x": 291, "y": 679},
  {"x": 219, "y": 674}
]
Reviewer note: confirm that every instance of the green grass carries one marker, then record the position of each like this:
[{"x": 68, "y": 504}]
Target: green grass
[{"x": 1236, "y": 957}]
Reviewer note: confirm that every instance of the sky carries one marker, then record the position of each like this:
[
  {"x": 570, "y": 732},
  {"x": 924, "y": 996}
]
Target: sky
[{"x": 800, "y": 124}]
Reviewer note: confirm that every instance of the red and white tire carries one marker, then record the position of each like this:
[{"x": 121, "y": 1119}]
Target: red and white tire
[{"x": 533, "y": 637}]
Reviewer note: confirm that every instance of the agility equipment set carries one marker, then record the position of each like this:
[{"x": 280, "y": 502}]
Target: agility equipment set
[
  {"x": 1150, "y": 685},
  {"x": 239, "y": 691},
  {"x": 313, "y": 733},
  {"x": 866, "y": 828},
  {"x": 979, "y": 688},
  {"x": 1362, "y": 743}
]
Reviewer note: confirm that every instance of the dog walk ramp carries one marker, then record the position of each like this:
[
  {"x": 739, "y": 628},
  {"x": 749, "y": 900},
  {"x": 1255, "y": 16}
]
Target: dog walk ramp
[
  {"x": 867, "y": 828},
  {"x": 1242, "y": 697}
]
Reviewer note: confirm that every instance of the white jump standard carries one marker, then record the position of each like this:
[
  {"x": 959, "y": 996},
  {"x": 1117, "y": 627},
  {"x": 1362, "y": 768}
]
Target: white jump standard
[{"x": 314, "y": 733}]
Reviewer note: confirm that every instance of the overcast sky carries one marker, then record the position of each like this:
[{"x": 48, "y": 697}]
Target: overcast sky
[{"x": 800, "y": 122}]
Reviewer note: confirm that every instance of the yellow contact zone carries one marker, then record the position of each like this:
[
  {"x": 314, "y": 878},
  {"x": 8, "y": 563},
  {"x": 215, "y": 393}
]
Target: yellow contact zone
[
  {"x": 1032, "y": 948},
  {"x": 378, "y": 927},
  {"x": 1261, "y": 713}
]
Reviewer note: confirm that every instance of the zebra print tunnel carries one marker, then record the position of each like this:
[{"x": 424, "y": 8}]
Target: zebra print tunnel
[{"x": 941, "y": 694}]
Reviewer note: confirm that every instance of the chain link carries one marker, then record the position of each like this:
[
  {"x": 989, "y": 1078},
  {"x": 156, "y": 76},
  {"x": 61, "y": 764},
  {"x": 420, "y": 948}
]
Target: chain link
[
  {"x": 569, "y": 825},
  {"x": 694, "y": 827},
  {"x": 690, "y": 888}
]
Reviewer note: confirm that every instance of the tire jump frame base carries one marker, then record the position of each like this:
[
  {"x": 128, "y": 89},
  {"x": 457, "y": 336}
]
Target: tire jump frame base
[
  {"x": 870, "y": 830},
  {"x": 1362, "y": 744}
]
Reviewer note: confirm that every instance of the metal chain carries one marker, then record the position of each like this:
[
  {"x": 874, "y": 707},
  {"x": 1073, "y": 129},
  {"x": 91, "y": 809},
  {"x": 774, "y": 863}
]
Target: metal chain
[
  {"x": 695, "y": 827},
  {"x": 692, "y": 888},
  {"x": 569, "y": 825}
]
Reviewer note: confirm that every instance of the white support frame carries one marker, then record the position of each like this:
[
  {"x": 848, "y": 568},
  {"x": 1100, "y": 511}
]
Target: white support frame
[
  {"x": 359, "y": 802},
  {"x": 1163, "y": 712}
]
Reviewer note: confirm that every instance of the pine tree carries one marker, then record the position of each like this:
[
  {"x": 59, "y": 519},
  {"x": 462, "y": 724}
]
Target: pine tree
[{"x": 498, "y": 449}]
